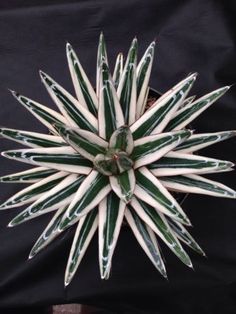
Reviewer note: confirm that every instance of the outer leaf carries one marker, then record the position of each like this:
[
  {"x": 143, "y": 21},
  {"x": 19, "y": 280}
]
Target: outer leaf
[
  {"x": 61, "y": 158},
  {"x": 110, "y": 115},
  {"x": 84, "y": 233},
  {"x": 190, "y": 112},
  {"x": 111, "y": 213},
  {"x": 127, "y": 90},
  {"x": 49, "y": 234},
  {"x": 199, "y": 141},
  {"x": 84, "y": 142},
  {"x": 101, "y": 58},
  {"x": 159, "y": 225},
  {"x": 60, "y": 195},
  {"x": 32, "y": 139},
  {"x": 28, "y": 176},
  {"x": 157, "y": 117},
  {"x": 184, "y": 236},
  {"x": 143, "y": 76},
  {"x": 151, "y": 148},
  {"x": 33, "y": 192},
  {"x": 123, "y": 185},
  {"x": 149, "y": 189},
  {"x": 44, "y": 114},
  {"x": 122, "y": 139},
  {"x": 175, "y": 163},
  {"x": 196, "y": 184},
  {"x": 146, "y": 239},
  {"x": 74, "y": 112},
  {"x": 93, "y": 189},
  {"x": 118, "y": 69},
  {"x": 83, "y": 88}
]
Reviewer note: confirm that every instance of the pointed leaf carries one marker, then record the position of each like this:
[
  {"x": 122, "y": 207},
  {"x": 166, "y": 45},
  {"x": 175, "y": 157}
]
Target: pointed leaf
[
  {"x": 61, "y": 195},
  {"x": 127, "y": 90},
  {"x": 111, "y": 213},
  {"x": 118, "y": 70},
  {"x": 199, "y": 141},
  {"x": 175, "y": 163},
  {"x": 197, "y": 184},
  {"x": 190, "y": 112},
  {"x": 83, "y": 88},
  {"x": 149, "y": 189},
  {"x": 123, "y": 185},
  {"x": 143, "y": 76},
  {"x": 187, "y": 101},
  {"x": 101, "y": 57},
  {"x": 61, "y": 158},
  {"x": 184, "y": 236},
  {"x": 28, "y": 176},
  {"x": 110, "y": 115},
  {"x": 84, "y": 233},
  {"x": 32, "y": 139},
  {"x": 156, "y": 118},
  {"x": 44, "y": 114},
  {"x": 159, "y": 225},
  {"x": 146, "y": 239},
  {"x": 93, "y": 189},
  {"x": 122, "y": 139},
  {"x": 34, "y": 191},
  {"x": 151, "y": 148},
  {"x": 74, "y": 112},
  {"x": 84, "y": 142}
]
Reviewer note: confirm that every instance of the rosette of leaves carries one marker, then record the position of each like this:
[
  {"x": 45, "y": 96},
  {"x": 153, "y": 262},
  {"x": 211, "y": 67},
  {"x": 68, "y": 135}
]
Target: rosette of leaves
[{"x": 107, "y": 159}]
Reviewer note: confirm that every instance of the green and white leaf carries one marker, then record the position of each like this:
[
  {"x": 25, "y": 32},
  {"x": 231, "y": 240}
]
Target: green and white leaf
[
  {"x": 175, "y": 163},
  {"x": 191, "y": 111},
  {"x": 122, "y": 139},
  {"x": 187, "y": 101},
  {"x": 34, "y": 191},
  {"x": 101, "y": 58},
  {"x": 93, "y": 189},
  {"x": 60, "y": 158},
  {"x": 149, "y": 189},
  {"x": 157, "y": 117},
  {"x": 127, "y": 89},
  {"x": 32, "y": 139},
  {"x": 151, "y": 148},
  {"x": 118, "y": 69},
  {"x": 74, "y": 112},
  {"x": 83, "y": 88},
  {"x": 159, "y": 225},
  {"x": 110, "y": 218},
  {"x": 28, "y": 176},
  {"x": 146, "y": 238},
  {"x": 61, "y": 195},
  {"x": 83, "y": 235},
  {"x": 143, "y": 75},
  {"x": 123, "y": 185},
  {"x": 193, "y": 183},
  {"x": 44, "y": 114},
  {"x": 199, "y": 141}
]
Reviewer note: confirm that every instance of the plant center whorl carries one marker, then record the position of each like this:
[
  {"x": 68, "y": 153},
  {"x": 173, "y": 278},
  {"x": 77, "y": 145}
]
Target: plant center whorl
[{"x": 114, "y": 162}]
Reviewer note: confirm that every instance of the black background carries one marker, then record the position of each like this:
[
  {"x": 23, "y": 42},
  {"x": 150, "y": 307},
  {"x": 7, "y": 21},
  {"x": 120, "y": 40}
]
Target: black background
[{"x": 191, "y": 36}]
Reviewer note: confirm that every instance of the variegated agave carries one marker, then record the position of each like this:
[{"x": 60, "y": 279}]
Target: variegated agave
[{"x": 108, "y": 159}]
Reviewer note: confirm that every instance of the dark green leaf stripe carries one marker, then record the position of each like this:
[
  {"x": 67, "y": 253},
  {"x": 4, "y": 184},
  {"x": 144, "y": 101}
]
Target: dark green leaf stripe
[
  {"x": 41, "y": 207},
  {"x": 184, "y": 236},
  {"x": 118, "y": 70},
  {"x": 152, "y": 118},
  {"x": 143, "y": 232},
  {"x": 191, "y": 111},
  {"x": 31, "y": 175},
  {"x": 85, "y": 230},
  {"x": 122, "y": 139},
  {"x": 123, "y": 185},
  {"x": 81, "y": 81},
  {"x": 32, "y": 139},
  {"x": 165, "y": 233},
  {"x": 74, "y": 112},
  {"x": 199, "y": 141}
]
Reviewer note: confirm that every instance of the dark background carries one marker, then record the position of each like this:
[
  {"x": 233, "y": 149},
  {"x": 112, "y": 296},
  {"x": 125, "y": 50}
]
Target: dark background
[{"x": 191, "y": 36}]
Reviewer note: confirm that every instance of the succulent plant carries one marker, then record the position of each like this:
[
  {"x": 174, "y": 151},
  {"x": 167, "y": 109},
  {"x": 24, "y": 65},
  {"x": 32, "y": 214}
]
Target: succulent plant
[{"x": 109, "y": 158}]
